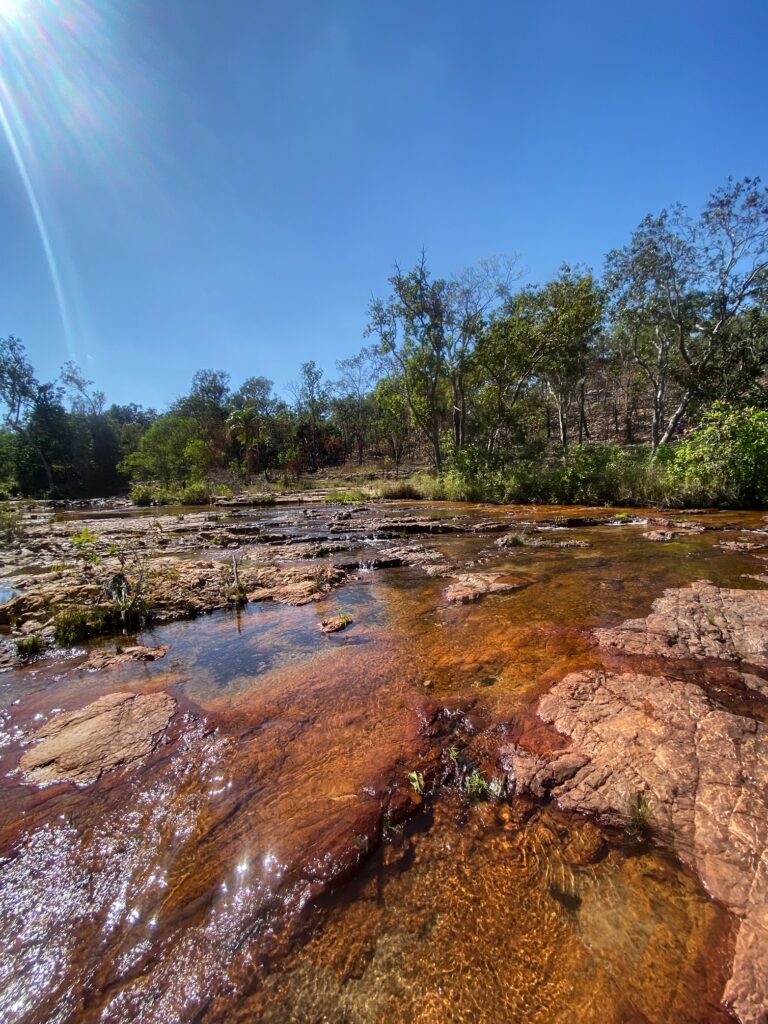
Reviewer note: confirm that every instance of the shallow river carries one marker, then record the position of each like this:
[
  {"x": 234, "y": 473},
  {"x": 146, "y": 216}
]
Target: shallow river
[{"x": 246, "y": 870}]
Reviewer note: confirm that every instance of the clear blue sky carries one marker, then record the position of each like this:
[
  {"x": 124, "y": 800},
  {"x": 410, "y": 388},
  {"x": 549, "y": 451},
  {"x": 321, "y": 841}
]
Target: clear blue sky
[{"x": 226, "y": 184}]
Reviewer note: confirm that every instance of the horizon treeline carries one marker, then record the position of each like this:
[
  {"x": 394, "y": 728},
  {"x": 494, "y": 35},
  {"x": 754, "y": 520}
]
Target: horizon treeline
[{"x": 480, "y": 377}]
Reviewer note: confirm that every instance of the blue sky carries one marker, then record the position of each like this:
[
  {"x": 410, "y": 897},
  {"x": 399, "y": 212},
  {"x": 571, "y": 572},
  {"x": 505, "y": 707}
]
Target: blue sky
[{"x": 226, "y": 184}]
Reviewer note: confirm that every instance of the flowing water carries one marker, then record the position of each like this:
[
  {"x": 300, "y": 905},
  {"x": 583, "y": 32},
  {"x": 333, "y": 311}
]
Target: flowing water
[{"x": 256, "y": 867}]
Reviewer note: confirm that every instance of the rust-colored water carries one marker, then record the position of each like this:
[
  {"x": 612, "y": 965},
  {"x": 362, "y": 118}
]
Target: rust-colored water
[{"x": 238, "y": 874}]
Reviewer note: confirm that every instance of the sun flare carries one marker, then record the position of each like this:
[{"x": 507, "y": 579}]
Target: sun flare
[{"x": 12, "y": 11}]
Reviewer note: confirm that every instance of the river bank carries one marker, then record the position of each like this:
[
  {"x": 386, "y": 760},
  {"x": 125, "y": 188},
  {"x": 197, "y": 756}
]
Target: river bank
[{"x": 304, "y": 786}]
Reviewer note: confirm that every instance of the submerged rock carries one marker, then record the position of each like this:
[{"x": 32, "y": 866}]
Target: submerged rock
[
  {"x": 336, "y": 623},
  {"x": 79, "y": 746}
]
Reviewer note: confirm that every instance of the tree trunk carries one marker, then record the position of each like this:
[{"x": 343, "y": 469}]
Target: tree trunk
[
  {"x": 675, "y": 418},
  {"x": 46, "y": 466},
  {"x": 562, "y": 422}
]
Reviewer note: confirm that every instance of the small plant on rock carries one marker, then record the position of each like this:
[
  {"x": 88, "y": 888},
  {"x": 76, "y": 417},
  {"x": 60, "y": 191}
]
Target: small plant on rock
[
  {"x": 476, "y": 786},
  {"x": 638, "y": 826},
  {"x": 29, "y": 647},
  {"x": 86, "y": 543},
  {"x": 416, "y": 780}
]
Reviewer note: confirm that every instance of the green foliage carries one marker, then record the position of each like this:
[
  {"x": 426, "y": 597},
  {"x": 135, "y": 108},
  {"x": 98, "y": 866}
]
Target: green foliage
[
  {"x": 144, "y": 496},
  {"x": 78, "y": 624},
  {"x": 725, "y": 460},
  {"x": 416, "y": 780},
  {"x": 11, "y": 528},
  {"x": 638, "y": 825},
  {"x": 476, "y": 786},
  {"x": 403, "y": 489},
  {"x": 29, "y": 647},
  {"x": 195, "y": 494},
  {"x": 86, "y": 543}
]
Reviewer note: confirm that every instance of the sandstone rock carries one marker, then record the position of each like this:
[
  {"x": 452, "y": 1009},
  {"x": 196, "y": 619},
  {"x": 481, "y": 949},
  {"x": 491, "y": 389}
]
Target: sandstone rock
[
  {"x": 701, "y": 621},
  {"x": 524, "y": 540},
  {"x": 335, "y": 623},
  {"x": 704, "y": 773},
  {"x": 79, "y": 746},
  {"x": 108, "y": 659},
  {"x": 473, "y": 586}
]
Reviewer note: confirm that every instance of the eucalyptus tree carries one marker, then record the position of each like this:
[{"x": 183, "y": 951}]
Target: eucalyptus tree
[
  {"x": 680, "y": 284},
  {"x": 27, "y": 404},
  {"x": 508, "y": 356},
  {"x": 254, "y": 408},
  {"x": 311, "y": 403},
  {"x": 428, "y": 329},
  {"x": 568, "y": 313},
  {"x": 353, "y": 404}
]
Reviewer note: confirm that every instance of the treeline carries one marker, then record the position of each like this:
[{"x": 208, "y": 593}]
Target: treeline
[{"x": 506, "y": 390}]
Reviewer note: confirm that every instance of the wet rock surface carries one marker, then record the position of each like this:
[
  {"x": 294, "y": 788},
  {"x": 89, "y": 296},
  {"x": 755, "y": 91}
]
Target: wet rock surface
[
  {"x": 79, "y": 746},
  {"x": 187, "y": 887},
  {"x": 701, "y": 621},
  {"x": 472, "y": 586},
  {"x": 100, "y": 660},
  {"x": 656, "y": 752}
]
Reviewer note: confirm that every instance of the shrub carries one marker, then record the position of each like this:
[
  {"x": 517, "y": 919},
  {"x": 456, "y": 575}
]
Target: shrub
[
  {"x": 86, "y": 543},
  {"x": 144, "y": 496},
  {"x": 353, "y": 497},
  {"x": 196, "y": 494},
  {"x": 29, "y": 647},
  {"x": 77, "y": 624},
  {"x": 10, "y": 525},
  {"x": 403, "y": 489},
  {"x": 725, "y": 460}
]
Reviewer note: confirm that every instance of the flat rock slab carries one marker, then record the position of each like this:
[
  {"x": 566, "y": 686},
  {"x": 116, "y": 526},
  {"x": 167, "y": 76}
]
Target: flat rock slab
[
  {"x": 700, "y": 767},
  {"x": 704, "y": 774},
  {"x": 473, "y": 586},
  {"x": 79, "y": 746},
  {"x": 700, "y": 621},
  {"x": 108, "y": 659}
]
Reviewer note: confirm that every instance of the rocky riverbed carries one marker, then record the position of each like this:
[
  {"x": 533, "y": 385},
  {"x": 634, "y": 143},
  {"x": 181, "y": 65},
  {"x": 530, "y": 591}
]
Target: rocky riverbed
[{"x": 268, "y": 731}]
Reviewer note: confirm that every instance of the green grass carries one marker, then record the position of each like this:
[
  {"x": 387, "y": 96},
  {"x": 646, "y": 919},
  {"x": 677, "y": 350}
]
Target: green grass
[
  {"x": 29, "y": 647},
  {"x": 402, "y": 489},
  {"x": 638, "y": 826},
  {"x": 352, "y": 497},
  {"x": 10, "y": 525},
  {"x": 77, "y": 624},
  {"x": 476, "y": 786}
]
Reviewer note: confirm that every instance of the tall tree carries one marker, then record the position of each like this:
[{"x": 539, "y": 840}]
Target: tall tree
[
  {"x": 569, "y": 312},
  {"x": 23, "y": 396},
  {"x": 680, "y": 283}
]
